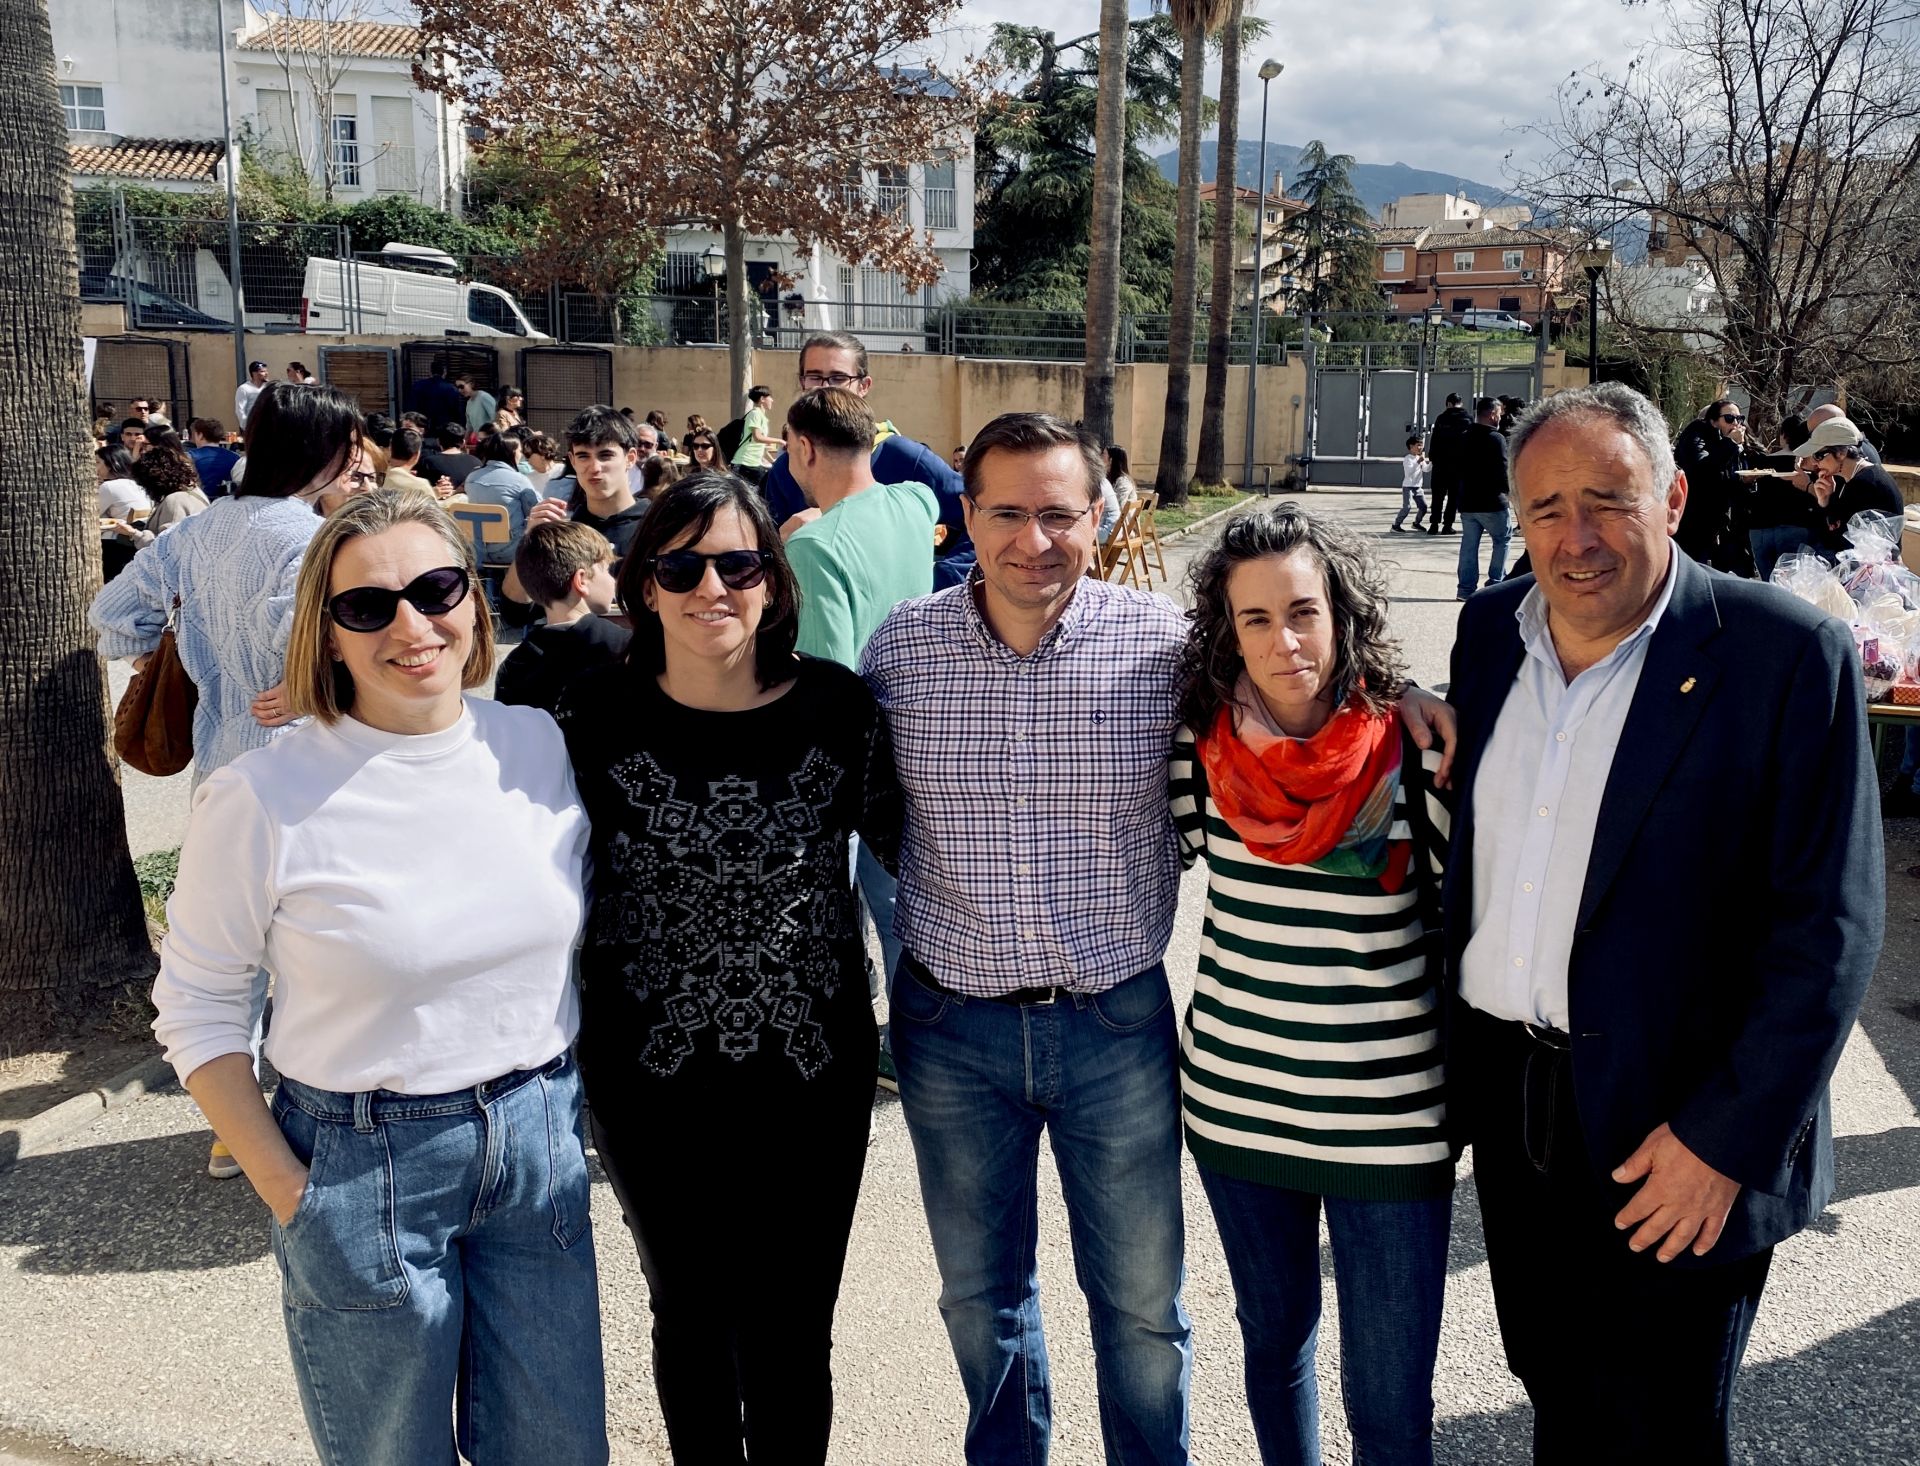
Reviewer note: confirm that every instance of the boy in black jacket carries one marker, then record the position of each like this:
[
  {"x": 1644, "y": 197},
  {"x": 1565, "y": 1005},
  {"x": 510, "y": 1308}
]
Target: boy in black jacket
[{"x": 567, "y": 569}]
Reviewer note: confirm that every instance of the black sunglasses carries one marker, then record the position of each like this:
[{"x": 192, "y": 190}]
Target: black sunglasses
[
  {"x": 1731, "y": 417},
  {"x": 679, "y": 571},
  {"x": 373, "y": 607}
]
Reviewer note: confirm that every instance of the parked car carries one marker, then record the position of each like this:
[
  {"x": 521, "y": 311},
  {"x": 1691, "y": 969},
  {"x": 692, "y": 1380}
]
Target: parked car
[
  {"x": 151, "y": 307},
  {"x": 411, "y": 292},
  {"x": 1490, "y": 320}
]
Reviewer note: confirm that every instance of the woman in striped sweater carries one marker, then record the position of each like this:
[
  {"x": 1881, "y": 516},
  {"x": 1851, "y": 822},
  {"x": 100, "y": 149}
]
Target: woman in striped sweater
[{"x": 1311, "y": 1066}]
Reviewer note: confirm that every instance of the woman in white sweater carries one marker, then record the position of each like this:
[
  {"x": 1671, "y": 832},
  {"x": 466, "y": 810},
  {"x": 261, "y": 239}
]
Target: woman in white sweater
[{"x": 422, "y": 1158}]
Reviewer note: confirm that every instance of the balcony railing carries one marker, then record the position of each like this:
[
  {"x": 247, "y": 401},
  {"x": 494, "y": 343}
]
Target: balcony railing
[
  {"x": 852, "y": 196},
  {"x": 893, "y": 198},
  {"x": 396, "y": 169},
  {"x": 943, "y": 210}
]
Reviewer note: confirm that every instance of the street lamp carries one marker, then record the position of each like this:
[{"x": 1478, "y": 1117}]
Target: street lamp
[
  {"x": 715, "y": 260},
  {"x": 1594, "y": 272},
  {"x": 1269, "y": 69},
  {"x": 1431, "y": 320}
]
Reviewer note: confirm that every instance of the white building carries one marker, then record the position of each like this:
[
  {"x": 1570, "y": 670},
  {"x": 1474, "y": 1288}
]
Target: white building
[
  {"x": 1450, "y": 210},
  {"x": 1680, "y": 298},
  {"x": 140, "y": 84},
  {"x": 935, "y": 197}
]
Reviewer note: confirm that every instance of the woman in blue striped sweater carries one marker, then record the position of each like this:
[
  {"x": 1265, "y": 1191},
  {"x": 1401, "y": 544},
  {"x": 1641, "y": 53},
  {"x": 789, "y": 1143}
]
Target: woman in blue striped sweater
[{"x": 1311, "y": 1065}]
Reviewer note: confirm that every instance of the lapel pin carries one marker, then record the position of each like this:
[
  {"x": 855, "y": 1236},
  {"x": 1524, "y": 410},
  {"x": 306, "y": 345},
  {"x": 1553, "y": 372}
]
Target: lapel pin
[{"x": 1687, "y": 686}]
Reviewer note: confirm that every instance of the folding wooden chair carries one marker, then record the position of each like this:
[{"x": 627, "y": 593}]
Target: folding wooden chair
[
  {"x": 1117, "y": 561},
  {"x": 1150, "y": 534},
  {"x": 488, "y": 524}
]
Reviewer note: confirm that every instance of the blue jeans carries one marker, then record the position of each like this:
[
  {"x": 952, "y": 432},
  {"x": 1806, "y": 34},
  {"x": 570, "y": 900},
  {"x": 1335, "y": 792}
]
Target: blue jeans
[
  {"x": 438, "y": 1275},
  {"x": 1410, "y": 495},
  {"x": 1474, "y": 523},
  {"x": 1389, "y": 1272},
  {"x": 1771, "y": 543},
  {"x": 979, "y": 1082}
]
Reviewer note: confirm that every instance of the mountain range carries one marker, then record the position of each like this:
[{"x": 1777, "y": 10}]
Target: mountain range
[{"x": 1376, "y": 183}]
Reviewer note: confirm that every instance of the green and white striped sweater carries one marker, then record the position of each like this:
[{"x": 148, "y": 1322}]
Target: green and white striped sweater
[{"x": 1311, "y": 1057}]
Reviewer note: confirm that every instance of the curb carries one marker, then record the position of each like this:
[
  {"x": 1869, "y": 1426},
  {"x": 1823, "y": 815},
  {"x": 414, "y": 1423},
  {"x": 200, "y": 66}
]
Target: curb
[
  {"x": 1186, "y": 529},
  {"x": 39, "y": 1133}
]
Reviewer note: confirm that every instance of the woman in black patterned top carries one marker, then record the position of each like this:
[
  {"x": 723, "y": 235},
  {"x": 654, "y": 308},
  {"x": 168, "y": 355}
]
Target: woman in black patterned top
[{"x": 726, "y": 1038}]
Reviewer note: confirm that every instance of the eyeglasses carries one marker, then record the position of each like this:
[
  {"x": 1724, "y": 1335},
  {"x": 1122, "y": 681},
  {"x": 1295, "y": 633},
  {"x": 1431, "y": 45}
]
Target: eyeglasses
[
  {"x": 1732, "y": 417},
  {"x": 702, "y": 446},
  {"x": 1007, "y": 520},
  {"x": 646, "y": 446},
  {"x": 814, "y": 381},
  {"x": 679, "y": 571},
  {"x": 361, "y": 480},
  {"x": 373, "y": 607}
]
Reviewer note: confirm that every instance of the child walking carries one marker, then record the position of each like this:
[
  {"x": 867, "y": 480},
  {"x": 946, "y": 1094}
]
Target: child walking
[{"x": 1413, "y": 477}]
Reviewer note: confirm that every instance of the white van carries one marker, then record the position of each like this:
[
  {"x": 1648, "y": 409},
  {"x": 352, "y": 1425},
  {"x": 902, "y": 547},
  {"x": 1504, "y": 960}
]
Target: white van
[
  {"x": 412, "y": 292},
  {"x": 1492, "y": 320}
]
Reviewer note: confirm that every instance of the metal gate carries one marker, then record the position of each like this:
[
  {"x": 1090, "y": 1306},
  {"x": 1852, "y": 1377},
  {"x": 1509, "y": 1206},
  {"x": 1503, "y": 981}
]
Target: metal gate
[
  {"x": 368, "y": 374},
  {"x": 418, "y": 358},
  {"x": 126, "y": 367},
  {"x": 560, "y": 380},
  {"x": 1366, "y": 398}
]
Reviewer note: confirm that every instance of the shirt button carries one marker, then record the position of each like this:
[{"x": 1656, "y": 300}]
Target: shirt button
[
  {"x": 1543, "y": 811},
  {"x": 1020, "y": 801},
  {"x": 1519, "y": 962},
  {"x": 1559, "y": 738},
  {"x": 1025, "y": 870},
  {"x": 1526, "y": 885},
  {"x": 1022, "y": 738},
  {"x": 1026, "y": 936}
]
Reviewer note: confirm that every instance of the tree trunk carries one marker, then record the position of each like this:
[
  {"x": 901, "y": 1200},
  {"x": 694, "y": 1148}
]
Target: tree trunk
[
  {"x": 71, "y": 927},
  {"x": 1170, "y": 479},
  {"x": 1212, "y": 466},
  {"x": 1103, "y": 265},
  {"x": 739, "y": 316}
]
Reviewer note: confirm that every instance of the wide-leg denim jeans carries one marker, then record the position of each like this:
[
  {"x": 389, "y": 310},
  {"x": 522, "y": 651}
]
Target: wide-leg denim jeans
[
  {"x": 979, "y": 1082},
  {"x": 438, "y": 1276}
]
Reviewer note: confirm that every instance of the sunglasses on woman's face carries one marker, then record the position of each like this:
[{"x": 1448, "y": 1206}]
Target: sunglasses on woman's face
[
  {"x": 679, "y": 571},
  {"x": 373, "y": 607},
  {"x": 703, "y": 447}
]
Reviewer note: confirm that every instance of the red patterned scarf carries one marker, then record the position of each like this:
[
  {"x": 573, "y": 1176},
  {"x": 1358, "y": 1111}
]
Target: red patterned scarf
[{"x": 1324, "y": 801}]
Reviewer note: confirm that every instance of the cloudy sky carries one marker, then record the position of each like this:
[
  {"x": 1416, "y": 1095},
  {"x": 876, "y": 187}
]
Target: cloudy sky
[{"x": 1396, "y": 81}]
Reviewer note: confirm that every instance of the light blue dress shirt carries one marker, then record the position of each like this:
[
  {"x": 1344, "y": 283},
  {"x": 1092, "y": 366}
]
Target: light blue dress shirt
[{"x": 1536, "y": 802}]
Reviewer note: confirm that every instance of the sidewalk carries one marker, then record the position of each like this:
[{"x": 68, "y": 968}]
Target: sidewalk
[{"x": 142, "y": 1314}]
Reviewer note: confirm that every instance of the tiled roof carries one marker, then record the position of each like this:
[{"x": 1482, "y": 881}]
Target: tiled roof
[
  {"x": 1403, "y": 234},
  {"x": 146, "y": 157},
  {"x": 1469, "y": 238},
  {"x": 343, "y": 38}
]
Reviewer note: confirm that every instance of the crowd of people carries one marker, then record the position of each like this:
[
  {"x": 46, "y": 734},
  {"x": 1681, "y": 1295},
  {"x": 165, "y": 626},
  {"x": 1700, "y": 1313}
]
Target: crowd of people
[{"x": 875, "y": 684}]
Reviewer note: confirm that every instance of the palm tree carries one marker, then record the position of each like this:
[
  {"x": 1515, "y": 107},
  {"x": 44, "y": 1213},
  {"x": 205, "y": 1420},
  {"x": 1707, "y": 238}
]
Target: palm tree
[
  {"x": 1103, "y": 263},
  {"x": 1212, "y": 466},
  {"x": 71, "y": 927},
  {"x": 1196, "y": 20}
]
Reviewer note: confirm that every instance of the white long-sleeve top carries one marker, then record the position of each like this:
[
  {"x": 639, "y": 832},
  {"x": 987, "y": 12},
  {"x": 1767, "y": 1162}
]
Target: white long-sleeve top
[{"x": 418, "y": 900}]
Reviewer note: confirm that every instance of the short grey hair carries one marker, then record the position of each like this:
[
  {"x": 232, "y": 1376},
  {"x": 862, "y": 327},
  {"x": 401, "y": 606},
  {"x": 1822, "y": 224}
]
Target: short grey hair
[{"x": 1614, "y": 403}]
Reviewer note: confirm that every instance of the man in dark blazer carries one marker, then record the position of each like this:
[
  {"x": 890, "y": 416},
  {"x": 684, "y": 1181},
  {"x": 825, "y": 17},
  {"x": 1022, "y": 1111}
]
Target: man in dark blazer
[{"x": 1665, "y": 900}]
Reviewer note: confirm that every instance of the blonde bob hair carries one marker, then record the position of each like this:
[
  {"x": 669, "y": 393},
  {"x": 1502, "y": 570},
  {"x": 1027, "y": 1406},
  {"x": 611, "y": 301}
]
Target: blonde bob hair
[{"x": 318, "y": 684}]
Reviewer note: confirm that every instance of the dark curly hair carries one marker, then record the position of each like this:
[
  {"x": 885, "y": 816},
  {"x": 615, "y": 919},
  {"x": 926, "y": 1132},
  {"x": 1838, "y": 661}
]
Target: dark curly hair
[
  {"x": 164, "y": 470},
  {"x": 1366, "y": 660}
]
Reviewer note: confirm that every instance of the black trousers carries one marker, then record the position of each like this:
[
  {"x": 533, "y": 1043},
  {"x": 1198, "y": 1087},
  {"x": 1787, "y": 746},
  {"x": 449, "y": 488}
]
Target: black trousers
[
  {"x": 741, "y": 1218},
  {"x": 1445, "y": 505},
  {"x": 1625, "y": 1358}
]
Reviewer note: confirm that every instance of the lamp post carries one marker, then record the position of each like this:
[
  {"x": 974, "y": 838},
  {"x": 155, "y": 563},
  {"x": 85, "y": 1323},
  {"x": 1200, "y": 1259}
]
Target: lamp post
[
  {"x": 1594, "y": 273},
  {"x": 1269, "y": 69},
  {"x": 715, "y": 260},
  {"x": 233, "y": 215},
  {"x": 1431, "y": 320}
]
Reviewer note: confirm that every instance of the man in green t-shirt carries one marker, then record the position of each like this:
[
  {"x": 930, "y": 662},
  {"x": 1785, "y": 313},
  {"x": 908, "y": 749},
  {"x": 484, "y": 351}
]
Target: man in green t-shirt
[
  {"x": 862, "y": 547},
  {"x": 750, "y": 458},
  {"x": 857, "y": 551}
]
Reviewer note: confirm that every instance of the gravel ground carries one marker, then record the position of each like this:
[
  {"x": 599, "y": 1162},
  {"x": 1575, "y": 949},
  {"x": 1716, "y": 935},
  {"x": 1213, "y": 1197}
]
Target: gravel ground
[{"x": 142, "y": 1318}]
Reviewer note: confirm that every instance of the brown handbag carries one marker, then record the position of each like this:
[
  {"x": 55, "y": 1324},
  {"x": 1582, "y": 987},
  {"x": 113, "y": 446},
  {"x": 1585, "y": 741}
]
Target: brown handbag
[{"x": 153, "y": 726}]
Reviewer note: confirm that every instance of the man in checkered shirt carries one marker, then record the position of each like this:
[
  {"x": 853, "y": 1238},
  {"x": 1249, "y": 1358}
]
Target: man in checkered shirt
[{"x": 1032, "y": 711}]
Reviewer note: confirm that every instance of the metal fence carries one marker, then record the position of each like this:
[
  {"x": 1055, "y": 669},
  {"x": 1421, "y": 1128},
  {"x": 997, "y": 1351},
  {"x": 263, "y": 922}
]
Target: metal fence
[{"x": 176, "y": 273}]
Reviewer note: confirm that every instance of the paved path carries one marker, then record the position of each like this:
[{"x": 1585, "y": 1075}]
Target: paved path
[{"x": 142, "y": 1317}]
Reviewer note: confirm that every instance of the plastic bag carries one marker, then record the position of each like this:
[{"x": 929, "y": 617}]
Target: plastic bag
[
  {"x": 1815, "y": 580},
  {"x": 1870, "y": 567}
]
